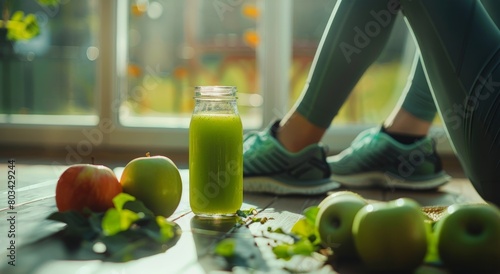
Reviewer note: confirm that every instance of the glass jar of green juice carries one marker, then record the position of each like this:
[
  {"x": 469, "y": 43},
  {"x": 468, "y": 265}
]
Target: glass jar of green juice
[{"x": 215, "y": 152}]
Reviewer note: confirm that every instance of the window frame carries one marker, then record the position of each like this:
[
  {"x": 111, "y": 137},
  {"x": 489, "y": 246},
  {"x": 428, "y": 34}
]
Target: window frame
[{"x": 273, "y": 57}]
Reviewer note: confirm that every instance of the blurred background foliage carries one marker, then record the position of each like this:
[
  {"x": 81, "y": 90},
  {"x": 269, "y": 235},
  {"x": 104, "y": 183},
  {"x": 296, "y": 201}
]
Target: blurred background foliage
[{"x": 171, "y": 47}]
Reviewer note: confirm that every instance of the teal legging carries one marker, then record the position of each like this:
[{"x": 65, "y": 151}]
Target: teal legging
[
  {"x": 354, "y": 37},
  {"x": 418, "y": 100},
  {"x": 460, "y": 49},
  {"x": 459, "y": 45}
]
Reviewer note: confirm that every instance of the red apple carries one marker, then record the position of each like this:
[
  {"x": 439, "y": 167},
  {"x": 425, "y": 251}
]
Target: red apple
[{"x": 87, "y": 186}]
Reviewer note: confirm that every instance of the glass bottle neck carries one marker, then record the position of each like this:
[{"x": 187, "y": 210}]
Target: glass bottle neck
[
  {"x": 215, "y": 100},
  {"x": 214, "y": 106}
]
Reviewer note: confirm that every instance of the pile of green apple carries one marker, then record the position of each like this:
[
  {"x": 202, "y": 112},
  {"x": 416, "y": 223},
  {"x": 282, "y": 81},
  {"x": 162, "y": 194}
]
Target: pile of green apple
[
  {"x": 396, "y": 235},
  {"x": 154, "y": 180}
]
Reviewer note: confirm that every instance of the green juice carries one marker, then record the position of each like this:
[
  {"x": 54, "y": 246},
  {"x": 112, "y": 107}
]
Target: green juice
[{"x": 215, "y": 164}]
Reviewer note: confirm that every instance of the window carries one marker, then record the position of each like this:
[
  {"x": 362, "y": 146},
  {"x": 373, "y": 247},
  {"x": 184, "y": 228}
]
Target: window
[
  {"x": 173, "y": 46},
  {"x": 51, "y": 79},
  {"x": 122, "y": 73}
]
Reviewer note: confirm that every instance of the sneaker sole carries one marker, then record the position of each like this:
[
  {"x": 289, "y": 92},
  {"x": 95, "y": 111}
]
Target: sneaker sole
[
  {"x": 387, "y": 180},
  {"x": 274, "y": 186}
]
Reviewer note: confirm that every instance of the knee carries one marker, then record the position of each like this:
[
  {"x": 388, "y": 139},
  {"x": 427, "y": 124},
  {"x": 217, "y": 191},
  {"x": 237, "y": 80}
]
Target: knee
[{"x": 488, "y": 190}]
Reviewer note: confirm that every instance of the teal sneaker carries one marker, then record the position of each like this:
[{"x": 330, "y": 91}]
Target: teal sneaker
[
  {"x": 269, "y": 168},
  {"x": 375, "y": 159}
]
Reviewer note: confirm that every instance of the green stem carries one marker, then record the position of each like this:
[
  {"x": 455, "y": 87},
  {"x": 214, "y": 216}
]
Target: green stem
[
  {"x": 9, "y": 24},
  {"x": 5, "y": 11}
]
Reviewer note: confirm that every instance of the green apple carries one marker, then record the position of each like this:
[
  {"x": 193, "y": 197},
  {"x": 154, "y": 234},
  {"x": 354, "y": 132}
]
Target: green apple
[
  {"x": 155, "y": 181},
  {"x": 391, "y": 236},
  {"x": 339, "y": 193},
  {"x": 334, "y": 222},
  {"x": 468, "y": 238}
]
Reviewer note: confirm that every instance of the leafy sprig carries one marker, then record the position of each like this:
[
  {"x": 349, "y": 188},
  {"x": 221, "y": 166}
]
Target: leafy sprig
[
  {"x": 304, "y": 235},
  {"x": 21, "y": 26},
  {"x": 126, "y": 232}
]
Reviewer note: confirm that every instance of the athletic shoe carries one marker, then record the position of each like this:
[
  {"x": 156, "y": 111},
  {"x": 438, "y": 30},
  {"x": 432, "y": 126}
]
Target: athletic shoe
[
  {"x": 268, "y": 167},
  {"x": 376, "y": 159}
]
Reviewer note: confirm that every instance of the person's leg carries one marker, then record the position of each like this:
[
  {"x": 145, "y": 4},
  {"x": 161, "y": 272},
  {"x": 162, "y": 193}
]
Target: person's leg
[
  {"x": 409, "y": 124},
  {"x": 399, "y": 154},
  {"x": 289, "y": 152},
  {"x": 353, "y": 39},
  {"x": 493, "y": 9},
  {"x": 460, "y": 48},
  {"x": 415, "y": 115},
  {"x": 417, "y": 110}
]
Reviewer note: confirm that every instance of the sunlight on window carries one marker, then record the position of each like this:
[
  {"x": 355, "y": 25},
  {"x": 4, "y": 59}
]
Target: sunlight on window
[
  {"x": 173, "y": 46},
  {"x": 53, "y": 73},
  {"x": 378, "y": 90}
]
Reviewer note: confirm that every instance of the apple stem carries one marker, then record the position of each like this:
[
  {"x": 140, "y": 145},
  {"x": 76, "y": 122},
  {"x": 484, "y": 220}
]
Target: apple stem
[
  {"x": 147, "y": 154},
  {"x": 92, "y": 160}
]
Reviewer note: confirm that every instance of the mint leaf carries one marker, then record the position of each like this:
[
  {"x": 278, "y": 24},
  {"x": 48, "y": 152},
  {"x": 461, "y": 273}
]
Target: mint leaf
[
  {"x": 121, "y": 199},
  {"x": 138, "y": 207},
  {"x": 167, "y": 229},
  {"x": 111, "y": 223},
  {"x": 126, "y": 232},
  {"x": 77, "y": 225},
  {"x": 115, "y": 221},
  {"x": 287, "y": 251},
  {"x": 305, "y": 236},
  {"x": 310, "y": 214}
]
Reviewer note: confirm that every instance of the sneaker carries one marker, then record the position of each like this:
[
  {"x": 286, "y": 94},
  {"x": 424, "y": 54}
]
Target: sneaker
[
  {"x": 269, "y": 168},
  {"x": 375, "y": 159}
]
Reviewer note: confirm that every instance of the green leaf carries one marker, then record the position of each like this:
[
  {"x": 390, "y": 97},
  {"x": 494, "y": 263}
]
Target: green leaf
[
  {"x": 246, "y": 212},
  {"x": 22, "y": 27},
  {"x": 432, "y": 255},
  {"x": 139, "y": 207},
  {"x": 310, "y": 214},
  {"x": 115, "y": 221},
  {"x": 17, "y": 16},
  {"x": 225, "y": 248},
  {"x": 67, "y": 217},
  {"x": 77, "y": 225},
  {"x": 111, "y": 222},
  {"x": 304, "y": 234},
  {"x": 303, "y": 247},
  {"x": 277, "y": 230},
  {"x": 121, "y": 218},
  {"x": 306, "y": 226},
  {"x": 122, "y": 198},
  {"x": 302, "y": 228},
  {"x": 129, "y": 231},
  {"x": 166, "y": 229},
  {"x": 287, "y": 251},
  {"x": 282, "y": 251}
]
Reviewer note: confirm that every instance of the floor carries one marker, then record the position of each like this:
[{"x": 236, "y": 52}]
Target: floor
[{"x": 35, "y": 199}]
